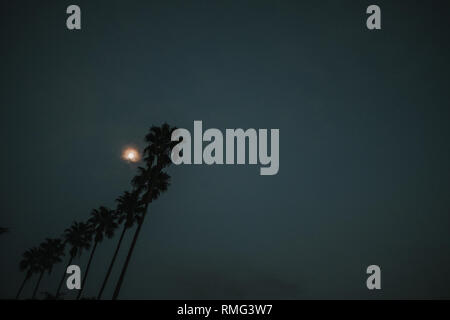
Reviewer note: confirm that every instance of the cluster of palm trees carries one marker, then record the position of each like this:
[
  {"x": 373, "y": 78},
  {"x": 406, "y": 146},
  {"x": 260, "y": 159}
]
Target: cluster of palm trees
[{"x": 131, "y": 210}]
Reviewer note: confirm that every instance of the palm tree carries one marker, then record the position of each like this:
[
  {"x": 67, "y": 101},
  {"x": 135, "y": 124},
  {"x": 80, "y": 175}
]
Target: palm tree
[
  {"x": 151, "y": 180},
  {"x": 79, "y": 237},
  {"x": 49, "y": 253},
  {"x": 128, "y": 210},
  {"x": 103, "y": 223},
  {"x": 29, "y": 264}
]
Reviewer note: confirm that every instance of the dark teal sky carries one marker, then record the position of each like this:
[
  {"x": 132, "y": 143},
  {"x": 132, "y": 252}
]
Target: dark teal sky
[{"x": 364, "y": 143}]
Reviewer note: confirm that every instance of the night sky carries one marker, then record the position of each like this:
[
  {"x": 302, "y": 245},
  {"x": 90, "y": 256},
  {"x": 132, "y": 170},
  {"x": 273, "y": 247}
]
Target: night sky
[{"x": 364, "y": 144}]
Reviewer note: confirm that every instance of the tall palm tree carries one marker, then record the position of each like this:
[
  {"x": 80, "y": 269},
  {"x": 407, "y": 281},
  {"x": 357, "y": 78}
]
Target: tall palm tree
[
  {"x": 49, "y": 253},
  {"x": 151, "y": 180},
  {"x": 103, "y": 223},
  {"x": 29, "y": 264},
  {"x": 128, "y": 210},
  {"x": 79, "y": 237}
]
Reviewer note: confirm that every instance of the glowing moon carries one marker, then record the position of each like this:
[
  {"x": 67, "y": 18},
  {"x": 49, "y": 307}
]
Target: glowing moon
[{"x": 131, "y": 155}]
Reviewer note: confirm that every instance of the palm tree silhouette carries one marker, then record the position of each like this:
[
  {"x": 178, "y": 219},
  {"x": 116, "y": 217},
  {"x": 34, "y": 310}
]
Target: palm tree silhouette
[
  {"x": 132, "y": 207},
  {"x": 79, "y": 237},
  {"x": 103, "y": 223},
  {"x": 29, "y": 264},
  {"x": 151, "y": 180},
  {"x": 128, "y": 210},
  {"x": 48, "y": 254}
]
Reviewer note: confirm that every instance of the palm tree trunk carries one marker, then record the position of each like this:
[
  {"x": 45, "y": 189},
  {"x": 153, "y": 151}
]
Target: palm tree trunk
[
  {"x": 130, "y": 252},
  {"x": 63, "y": 277},
  {"x": 27, "y": 276},
  {"x": 112, "y": 262},
  {"x": 37, "y": 285},
  {"x": 87, "y": 270}
]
